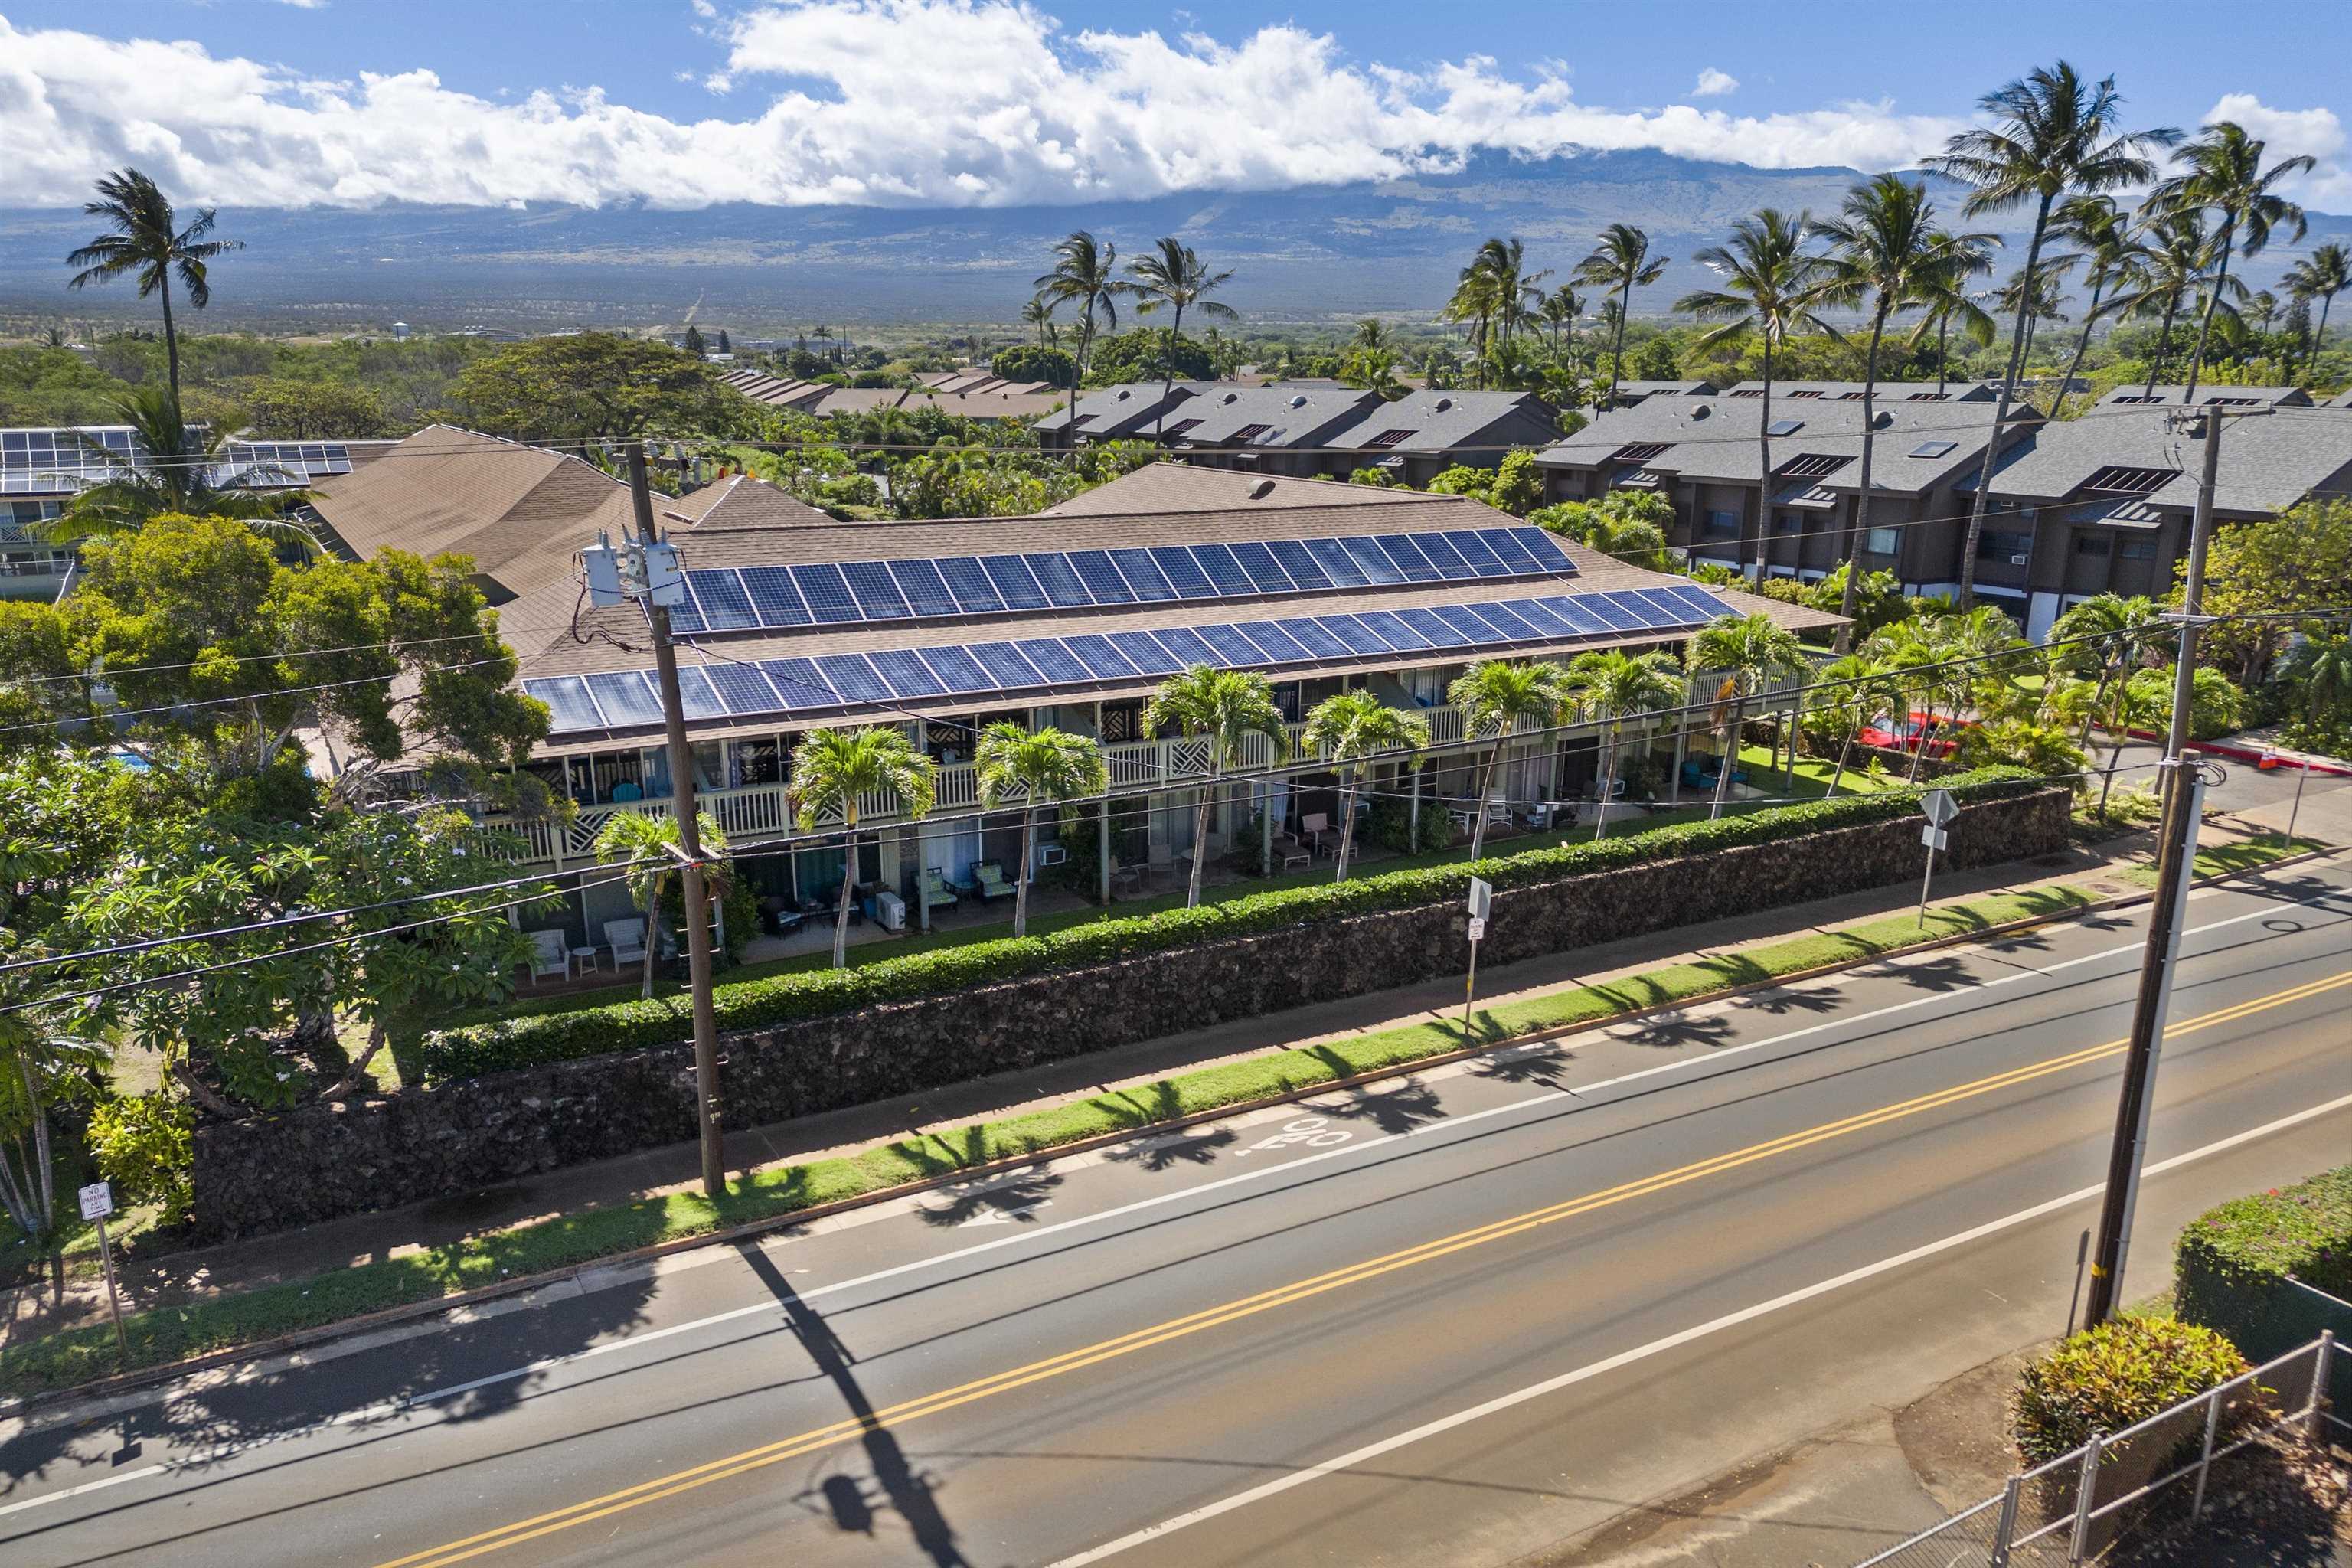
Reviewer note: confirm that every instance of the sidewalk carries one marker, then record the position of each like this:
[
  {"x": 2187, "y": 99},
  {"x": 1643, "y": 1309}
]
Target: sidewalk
[{"x": 172, "y": 1278}]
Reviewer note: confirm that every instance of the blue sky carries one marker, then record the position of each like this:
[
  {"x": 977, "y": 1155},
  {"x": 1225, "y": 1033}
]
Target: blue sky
[{"x": 977, "y": 101}]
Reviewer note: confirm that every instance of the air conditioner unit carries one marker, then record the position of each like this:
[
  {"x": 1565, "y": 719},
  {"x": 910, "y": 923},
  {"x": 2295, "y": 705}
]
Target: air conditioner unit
[
  {"x": 1050, "y": 855},
  {"x": 2017, "y": 561},
  {"x": 889, "y": 910}
]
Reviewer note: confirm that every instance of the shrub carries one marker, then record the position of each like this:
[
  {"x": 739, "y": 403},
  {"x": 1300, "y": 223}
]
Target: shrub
[
  {"x": 2234, "y": 1261},
  {"x": 2113, "y": 1376},
  {"x": 466, "y": 1050},
  {"x": 145, "y": 1146}
]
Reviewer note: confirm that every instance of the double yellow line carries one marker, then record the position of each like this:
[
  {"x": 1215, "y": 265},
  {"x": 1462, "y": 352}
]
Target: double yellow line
[{"x": 820, "y": 1438}]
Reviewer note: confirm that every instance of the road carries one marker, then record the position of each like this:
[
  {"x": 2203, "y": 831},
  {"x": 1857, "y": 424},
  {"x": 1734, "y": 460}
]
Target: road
[{"x": 1453, "y": 1319}]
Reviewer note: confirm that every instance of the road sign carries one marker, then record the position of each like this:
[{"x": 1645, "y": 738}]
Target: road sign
[
  {"x": 1478, "y": 929},
  {"x": 1940, "y": 807},
  {"x": 1935, "y": 838},
  {"x": 97, "y": 1201},
  {"x": 1482, "y": 897}
]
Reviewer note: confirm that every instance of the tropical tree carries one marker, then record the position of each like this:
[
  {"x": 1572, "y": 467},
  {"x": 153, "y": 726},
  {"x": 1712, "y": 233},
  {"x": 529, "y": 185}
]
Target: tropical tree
[
  {"x": 2053, "y": 135},
  {"x": 145, "y": 241},
  {"x": 2103, "y": 639},
  {"x": 181, "y": 469},
  {"x": 1559, "y": 309},
  {"x": 1745, "y": 655},
  {"x": 1222, "y": 709},
  {"x": 1626, "y": 525},
  {"x": 832, "y": 768},
  {"x": 1971, "y": 257},
  {"x": 2043, "y": 302},
  {"x": 1622, "y": 262},
  {"x": 649, "y": 848},
  {"x": 1496, "y": 697},
  {"x": 40, "y": 1068},
  {"x": 1038, "y": 313},
  {"x": 1172, "y": 278},
  {"x": 1372, "y": 332},
  {"x": 2178, "y": 267},
  {"x": 1853, "y": 690},
  {"x": 2128, "y": 705},
  {"x": 2324, "y": 274},
  {"x": 1085, "y": 276},
  {"x": 1036, "y": 766},
  {"x": 1348, "y": 727},
  {"x": 1613, "y": 686},
  {"x": 2115, "y": 267},
  {"x": 2221, "y": 172},
  {"x": 1770, "y": 293}
]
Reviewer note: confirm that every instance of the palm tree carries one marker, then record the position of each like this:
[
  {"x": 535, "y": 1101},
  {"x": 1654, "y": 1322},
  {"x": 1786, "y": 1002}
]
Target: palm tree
[
  {"x": 1853, "y": 689},
  {"x": 1085, "y": 276},
  {"x": 1770, "y": 287},
  {"x": 1372, "y": 332},
  {"x": 1559, "y": 309},
  {"x": 2114, "y": 265},
  {"x": 1612, "y": 686},
  {"x": 2222, "y": 173},
  {"x": 1495, "y": 698},
  {"x": 1348, "y": 727},
  {"x": 2054, "y": 135},
  {"x": 1885, "y": 248},
  {"x": 1038, "y": 313},
  {"x": 2129, "y": 705},
  {"x": 2324, "y": 274},
  {"x": 1969, "y": 257},
  {"x": 2180, "y": 257},
  {"x": 832, "y": 768},
  {"x": 146, "y": 241},
  {"x": 175, "y": 467},
  {"x": 38, "y": 1069},
  {"x": 648, "y": 845},
  {"x": 1222, "y": 709},
  {"x": 1039, "y": 766},
  {"x": 2046, "y": 303},
  {"x": 1623, "y": 262},
  {"x": 1174, "y": 278},
  {"x": 1746, "y": 654},
  {"x": 2106, "y": 637},
  {"x": 2265, "y": 306}
]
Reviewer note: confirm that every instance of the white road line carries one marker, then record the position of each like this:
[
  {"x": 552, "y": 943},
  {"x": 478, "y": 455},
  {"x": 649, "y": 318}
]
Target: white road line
[
  {"x": 138, "y": 1475},
  {"x": 1658, "y": 1347}
]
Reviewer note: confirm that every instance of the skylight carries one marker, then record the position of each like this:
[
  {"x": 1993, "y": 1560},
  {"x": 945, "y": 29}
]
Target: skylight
[
  {"x": 1933, "y": 448},
  {"x": 1784, "y": 427}
]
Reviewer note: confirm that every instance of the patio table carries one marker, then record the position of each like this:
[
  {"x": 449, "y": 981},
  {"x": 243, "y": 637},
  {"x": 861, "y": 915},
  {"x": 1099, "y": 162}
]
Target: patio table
[{"x": 582, "y": 960}]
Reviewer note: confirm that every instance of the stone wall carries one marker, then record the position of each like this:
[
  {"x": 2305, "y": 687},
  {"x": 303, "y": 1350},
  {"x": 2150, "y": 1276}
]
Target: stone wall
[{"x": 327, "y": 1160}]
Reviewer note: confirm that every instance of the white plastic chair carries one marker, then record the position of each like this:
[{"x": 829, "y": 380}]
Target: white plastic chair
[
  {"x": 627, "y": 941},
  {"x": 550, "y": 955}
]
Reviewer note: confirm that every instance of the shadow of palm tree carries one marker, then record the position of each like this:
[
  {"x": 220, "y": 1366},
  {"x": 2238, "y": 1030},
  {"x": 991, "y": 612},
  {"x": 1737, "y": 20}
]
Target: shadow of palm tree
[
  {"x": 1670, "y": 1030},
  {"x": 1937, "y": 975},
  {"x": 1400, "y": 1107},
  {"x": 1782, "y": 1002},
  {"x": 1543, "y": 1065},
  {"x": 1189, "y": 1145},
  {"x": 1008, "y": 1195}
]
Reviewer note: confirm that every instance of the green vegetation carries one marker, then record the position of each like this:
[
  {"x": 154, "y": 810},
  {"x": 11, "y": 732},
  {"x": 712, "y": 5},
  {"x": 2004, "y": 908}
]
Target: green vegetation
[
  {"x": 2225, "y": 860},
  {"x": 2303, "y": 1232},
  {"x": 2113, "y": 1376}
]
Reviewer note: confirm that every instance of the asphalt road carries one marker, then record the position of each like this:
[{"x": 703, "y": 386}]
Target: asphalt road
[{"x": 1457, "y": 1318}]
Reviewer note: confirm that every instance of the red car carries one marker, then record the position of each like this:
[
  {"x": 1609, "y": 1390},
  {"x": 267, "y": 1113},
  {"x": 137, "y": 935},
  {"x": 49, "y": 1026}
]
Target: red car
[{"x": 1911, "y": 733}]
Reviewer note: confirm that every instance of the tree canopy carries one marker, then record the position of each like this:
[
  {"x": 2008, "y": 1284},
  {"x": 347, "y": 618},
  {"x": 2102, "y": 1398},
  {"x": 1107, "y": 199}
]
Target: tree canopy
[{"x": 596, "y": 386}]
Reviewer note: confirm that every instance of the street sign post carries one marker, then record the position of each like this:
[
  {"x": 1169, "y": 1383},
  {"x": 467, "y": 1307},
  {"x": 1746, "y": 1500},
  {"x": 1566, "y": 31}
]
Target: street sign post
[
  {"x": 97, "y": 1203},
  {"x": 1482, "y": 899},
  {"x": 1939, "y": 808}
]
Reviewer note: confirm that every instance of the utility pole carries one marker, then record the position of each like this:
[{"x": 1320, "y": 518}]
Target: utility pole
[
  {"x": 2184, "y": 796},
  {"x": 689, "y": 838}
]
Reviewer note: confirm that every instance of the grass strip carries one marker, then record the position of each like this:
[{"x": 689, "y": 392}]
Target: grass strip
[
  {"x": 166, "y": 1335},
  {"x": 2220, "y": 859}
]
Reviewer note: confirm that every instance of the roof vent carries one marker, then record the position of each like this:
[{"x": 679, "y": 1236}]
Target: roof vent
[
  {"x": 1882, "y": 419},
  {"x": 1231, "y": 397},
  {"x": 1300, "y": 401},
  {"x": 1700, "y": 410},
  {"x": 1261, "y": 489},
  {"x": 1123, "y": 395},
  {"x": 1443, "y": 404}
]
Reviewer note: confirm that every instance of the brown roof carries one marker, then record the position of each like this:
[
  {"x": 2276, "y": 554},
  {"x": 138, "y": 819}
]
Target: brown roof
[
  {"x": 1181, "y": 487},
  {"x": 743, "y": 501}
]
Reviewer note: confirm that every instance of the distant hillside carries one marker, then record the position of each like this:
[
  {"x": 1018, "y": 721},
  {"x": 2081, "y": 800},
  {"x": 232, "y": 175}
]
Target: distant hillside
[{"x": 1311, "y": 252}]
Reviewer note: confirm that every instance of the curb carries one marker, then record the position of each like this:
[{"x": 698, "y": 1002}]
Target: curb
[{"x": 11, "y": 1408}]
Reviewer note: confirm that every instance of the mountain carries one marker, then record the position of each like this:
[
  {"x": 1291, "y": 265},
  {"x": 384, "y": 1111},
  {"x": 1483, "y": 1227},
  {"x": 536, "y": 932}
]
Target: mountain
[{"x": 1311, "y": 252}]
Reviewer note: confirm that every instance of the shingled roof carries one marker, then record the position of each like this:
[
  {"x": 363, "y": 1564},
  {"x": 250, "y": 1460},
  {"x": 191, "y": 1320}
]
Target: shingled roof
[{"x": 1713, "y": 440}]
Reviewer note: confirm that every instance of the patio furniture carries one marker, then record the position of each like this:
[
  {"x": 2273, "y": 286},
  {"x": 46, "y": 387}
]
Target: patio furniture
[
  {"x": 625, "y": 792},
  {"x": 581, "y": 959},
  {"x": 988, "y": 876},
  {"x": 547, "y": 954},
  {"x": 1158, "y": 858},
  {"x": 627, "y": 941},
  {"x": 1314, "y": 828},
  {"x": 936, "y": 894},
  {"x": 1127, "y": 878}
]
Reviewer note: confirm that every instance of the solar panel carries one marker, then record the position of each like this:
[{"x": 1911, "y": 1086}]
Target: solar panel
[
  {"x": 906, "y": 673},
  {"x": 958, "y": 669},
  {"x": 1186, "y": 645},
  {"x": 1581, "y": 621},
  {"x": 773, "y": 598},
  {"x": 744, "y": 688},
  {"x": 626, "y": 697},
  {"x": 1517, "y": 557},
  {"x": 1432, "y": 630},
  {"x": 1311, "y": 637},
  {"x": 1277, "y": 644},
  {"x": 1469, "y": 622},
  {"x": 1299, "y": 566},
  {"x": 926, "y": 590},
  {"x": 1223, "y": 570},
  {"x": 1353, "y": 635},
  {"x": 1672, "y": 612},
  {"x": 1371, "y": 559},
  {"x": 695, "y": 696},
  {"x": 1407, "y": 554},
  {"x": 1013, "y": 579},
  {"x": 1184, "y": 573},
  {"x": 1052, "y": 659},
  {"x": 686, "y": 615},
  {"x": 1700, "y": 602},
  {"x": 826, "y": 593},
  {"x": 798, "y": 683},
  {"x": 1143, "y": 574},
  {"x": 1619, "y": 617},
  {"x": 852, "y": 679},
  {"x": 726, "y": 607},
  {"x": 1543, "y": 618},
  {"x": 1102, "y": 662},
  {"x": 974, "y": 594},
  {"x": 1231, "y": 647},
  {"x": 1550, "y": 557},
  {"x": 569, "y": 706},
  {"x": 1337, "y": 564},
  {"x": 1264, "y": 574},
  {"x": 875, "y": 591},
  {"x": 1144, "y": 651},
  {"x": 1003, "y": 661},
  {"x": 1100, "y": 574},
  {"x": 1510, "y": 623},
  {"x": 1393, "y": 630},
  {"x": 1060, "y": 581}
]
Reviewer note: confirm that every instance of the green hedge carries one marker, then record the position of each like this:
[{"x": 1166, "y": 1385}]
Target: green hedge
[
  {"x": 2114, "y": 1376},
  {"x": 531, "y": 1040},
  {"x": 2232, "y": 1267}
]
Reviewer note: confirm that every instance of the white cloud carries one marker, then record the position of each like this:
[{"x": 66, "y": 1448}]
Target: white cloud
[
  {"x": 956, "y": 102},
  {"x": 2293, "y": 132},
  {"x": 1713, "y": 83}
]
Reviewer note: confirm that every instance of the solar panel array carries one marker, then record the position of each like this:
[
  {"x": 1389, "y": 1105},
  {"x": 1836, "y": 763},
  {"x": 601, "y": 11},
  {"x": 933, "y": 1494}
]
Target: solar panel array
[
  {"x": 283, "y": 462},
  {"x": 44, "y": 462},
  {"x": 988, "y": 669},
  {"x": 725, "y": 599}
]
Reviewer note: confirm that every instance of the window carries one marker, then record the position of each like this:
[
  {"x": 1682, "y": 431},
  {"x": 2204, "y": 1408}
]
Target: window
[
  {"x": 1787, "y": 522},
  {"x": 1998, "y": 544},
  {"x": 1640, "y": 451},
  {"x": 1880, "y": 541},
  {"x": 2138, "y": 549},
  {"x": 2091, "y": 544},
  {"x": 1933, "y": 448},
  {"x": 1784, "y": 427},
  {"x": 1722, "y": 525}
]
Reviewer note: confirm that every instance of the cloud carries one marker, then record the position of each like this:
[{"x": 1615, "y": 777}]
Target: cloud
[
  {"x": 2292, "y": 132},
  {"x": 875, "y": 103},
  {"x": 1713, "y": 83}
]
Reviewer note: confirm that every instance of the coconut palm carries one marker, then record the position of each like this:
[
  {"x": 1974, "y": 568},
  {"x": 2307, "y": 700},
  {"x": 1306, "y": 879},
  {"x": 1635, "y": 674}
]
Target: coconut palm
[
  {"x": 1745, "y": 654},
  {"x": 1173, "y": 279},
  {"x": 1621, "y": 262},
  {"x": 1372, "y": 332},
  {"x": 175, "y": 467},
  {"x": 2222, "y": 173},
  {"x": 1496, "y": 698},
  {"x": 1222, "y": 709},
  {"x": 1771, "y": 288},
  {"x": 1038, "y": 766},
  {"x": 2130, "y": 704},
  {"x": 2323, "y": 665},
  {"x": 2178, "y": 267},
  {"x": 1969, "y": 257},
  {"x": 1854, "y": 688},
  {"x": 2114, "y": 265},
  {"x": 145, "y": 241},
  {"x": 2324, "y": 274},
  {"x": 1348, "y": 727},
  {"x": 1085, "y": 276},
  {"x": 831, "y": 769},
  {"x": 2103, "y": 639},
  {"x": 648, "y": 846},
  {"x": 1038, "y": 313},
  {"x": 2053, "y": 135},
  {"x": 1559, "y": 309},
  {"x": 1613, "y": 686},
  {"x": 1885, "y": 248}
]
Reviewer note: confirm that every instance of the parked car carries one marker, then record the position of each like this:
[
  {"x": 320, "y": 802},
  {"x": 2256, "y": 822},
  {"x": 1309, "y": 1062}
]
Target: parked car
[{"x": 1913, "y": 733}]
